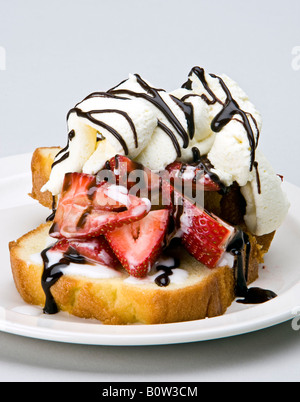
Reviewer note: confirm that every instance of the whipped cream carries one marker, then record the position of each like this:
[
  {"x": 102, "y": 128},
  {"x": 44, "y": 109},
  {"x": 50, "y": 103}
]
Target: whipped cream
[
  {"x": 155, "y": 128},
  {"x": 233, "y": 146},
  {"x": 266, "y": 203},
  {"x": 101, "y": 127}
]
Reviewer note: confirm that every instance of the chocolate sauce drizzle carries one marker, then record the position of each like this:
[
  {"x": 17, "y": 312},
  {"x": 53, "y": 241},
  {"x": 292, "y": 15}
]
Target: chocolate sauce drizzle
[
  {"x": 64, "y": 152},
  {"x": 153, "y": 96},
  {"x": 52, "y": 215},
  {"x": 229, "y": 111},
  {"x": 89, "y": 116},
  {"x": 240, "y": 247},
  {"x": 163, "y": 280},
  {"x": 52, "y": 273},
  {"x": 206, "y": 166}
]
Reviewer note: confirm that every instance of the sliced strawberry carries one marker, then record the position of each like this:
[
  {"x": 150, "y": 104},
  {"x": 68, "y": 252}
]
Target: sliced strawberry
[
  {"x": 139, "y": 244},
  {"x": 193, "y": 175},
  {"x": 94, "y": 250},
  {"x": 77, "y": 188},
  {"x": 95, "y": 222},
  {"x": 129, "y": 173},
  {"x": 204, "y": 235},
  {"x": 122, "y": 166},
  {"x": 87, "y": 209}
]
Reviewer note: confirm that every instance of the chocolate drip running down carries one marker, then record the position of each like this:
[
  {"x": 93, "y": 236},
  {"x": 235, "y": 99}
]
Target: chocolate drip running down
[
  {"x": 205, "y": 165},
  {"x": 52, "y": 215},
  {"x": 65, "y": 151},
  {"x": 52, "y": 273},
  {"x": 240, "y": 248}
]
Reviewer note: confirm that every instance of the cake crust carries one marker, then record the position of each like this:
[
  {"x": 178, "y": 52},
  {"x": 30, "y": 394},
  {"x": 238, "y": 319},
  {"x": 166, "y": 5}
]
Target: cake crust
[{"x": 41, "y": 163}]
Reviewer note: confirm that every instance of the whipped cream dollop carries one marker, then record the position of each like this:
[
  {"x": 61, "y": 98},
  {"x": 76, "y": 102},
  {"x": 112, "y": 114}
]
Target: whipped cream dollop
[
  {"x": 266, "y": 203},
  {"x": 155, "y": 127}
]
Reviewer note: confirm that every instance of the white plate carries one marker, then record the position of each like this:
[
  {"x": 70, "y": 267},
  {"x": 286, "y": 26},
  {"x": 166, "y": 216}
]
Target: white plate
[{"x": 19, "y": 214}]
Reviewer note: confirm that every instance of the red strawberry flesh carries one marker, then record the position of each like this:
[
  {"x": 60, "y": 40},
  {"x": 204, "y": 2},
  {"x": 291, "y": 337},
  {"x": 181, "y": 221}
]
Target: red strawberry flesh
[
  {"x": 204, "y": 235},
  {"x": 139, "y": 244},
  {"x": 95, "y": 250},
  {"x": 87, "y": 209},
  {"x": 192, "y": 175}
]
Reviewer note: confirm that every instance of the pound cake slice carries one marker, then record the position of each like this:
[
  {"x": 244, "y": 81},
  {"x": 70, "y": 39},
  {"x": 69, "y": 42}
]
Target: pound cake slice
[
  {"x": 120, "y": 299},
  {"x": 41, "y": 163}
]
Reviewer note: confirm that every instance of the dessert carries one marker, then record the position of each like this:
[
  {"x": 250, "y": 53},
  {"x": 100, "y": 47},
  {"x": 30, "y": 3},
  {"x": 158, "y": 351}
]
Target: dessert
[{"x": 163, "y": 206}]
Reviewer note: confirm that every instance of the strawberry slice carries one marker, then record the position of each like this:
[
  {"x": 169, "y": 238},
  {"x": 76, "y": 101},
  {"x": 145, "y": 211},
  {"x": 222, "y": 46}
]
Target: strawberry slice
[
  {"x": 95, "y": 250},
  {"x": 141, "y": 181},
  {"x": 129, "y": 173},
  {"x": 77, "y": 188},
  {"x": 89, "y": 209},
  {"x": 193, "y": 175},
  {"x": 122, "y": 167},
  {"x": 139, "y": 244},
  {"x": 204, "y": 235}
]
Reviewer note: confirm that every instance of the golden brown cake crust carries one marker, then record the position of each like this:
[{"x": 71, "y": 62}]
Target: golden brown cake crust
[{"x": 41, "y": 163}]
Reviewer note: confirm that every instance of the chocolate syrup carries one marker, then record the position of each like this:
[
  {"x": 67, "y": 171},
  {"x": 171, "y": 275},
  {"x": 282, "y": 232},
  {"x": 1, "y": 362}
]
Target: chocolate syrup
[
  {"x": 164, "y": 279},
  {"x": 257, "y": 177},
  {"x": 52, "y": 273},
  {"x": 240, "y": 247},
  {"x": 71, "y": 135},
  {"x": 101, "y": 94},
  {"x": 172, "y": 136},
  {"x": 88, "y": 116},
  {"x": 52, "y": 215},
  {"x": 229, "y": 111},
  {"x": 206, "y": 166},
  {"x": 153, "y": 96}
]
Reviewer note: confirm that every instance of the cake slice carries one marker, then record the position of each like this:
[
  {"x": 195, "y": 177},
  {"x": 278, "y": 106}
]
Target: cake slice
[
  {"x": 41, "y": 163},
  {"x": 196, "y": 292}
]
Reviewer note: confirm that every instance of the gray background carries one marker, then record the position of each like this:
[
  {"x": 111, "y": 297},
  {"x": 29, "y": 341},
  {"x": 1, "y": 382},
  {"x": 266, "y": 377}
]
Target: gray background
[{"x": 58, "y": 51}]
